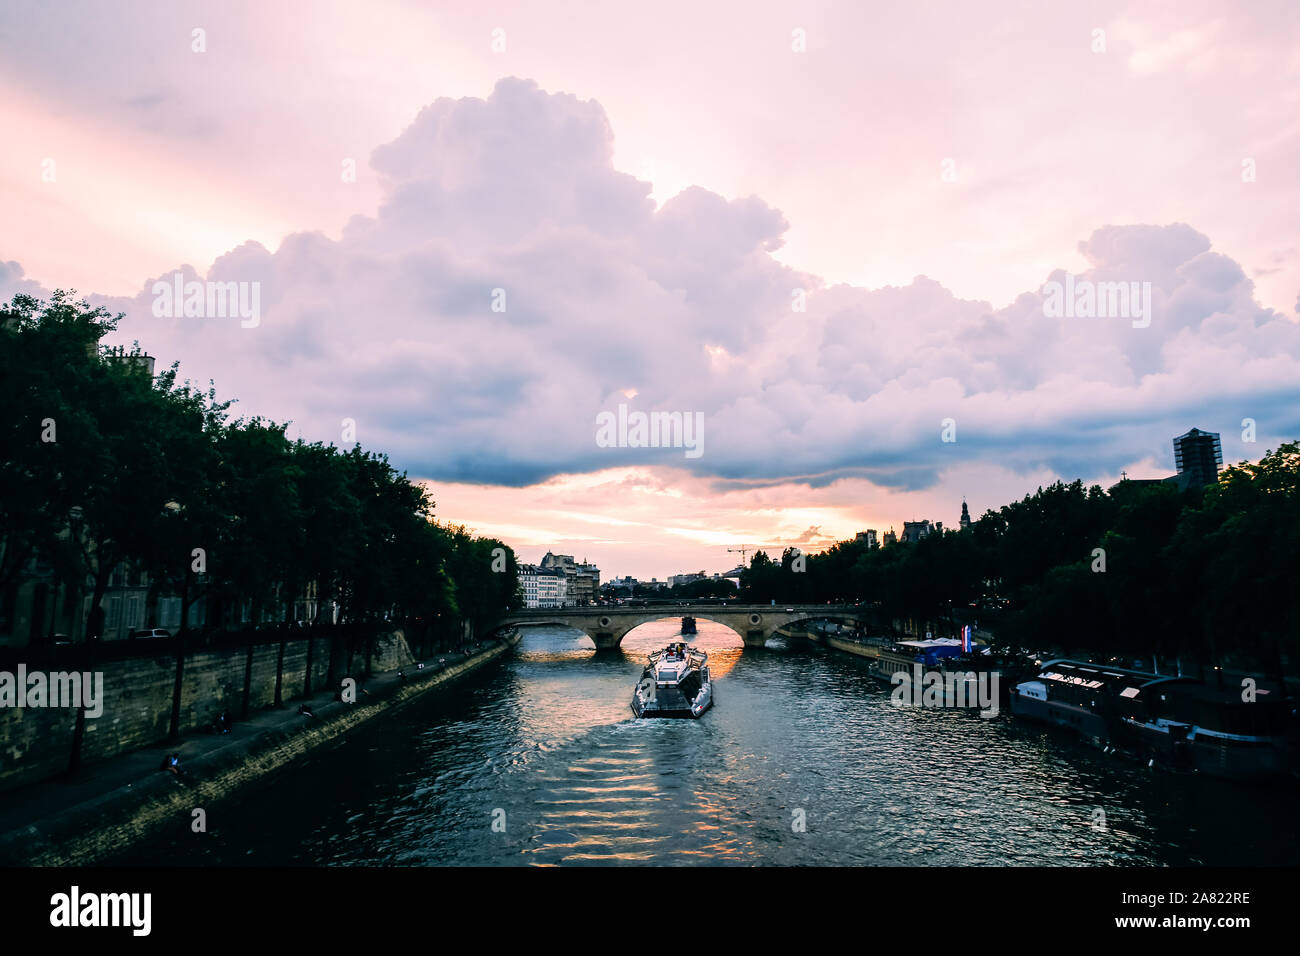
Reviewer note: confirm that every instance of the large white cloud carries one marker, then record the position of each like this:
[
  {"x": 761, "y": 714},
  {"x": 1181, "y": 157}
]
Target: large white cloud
[{"x": 392, "y": 325}]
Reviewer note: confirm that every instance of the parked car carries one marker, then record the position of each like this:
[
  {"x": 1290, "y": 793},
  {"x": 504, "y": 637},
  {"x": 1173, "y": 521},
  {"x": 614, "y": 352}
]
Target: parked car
[{"x": 151, "y": 632}]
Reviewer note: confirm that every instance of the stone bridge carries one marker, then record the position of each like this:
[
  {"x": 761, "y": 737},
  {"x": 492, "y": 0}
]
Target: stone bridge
[{"x": 607, "y": 626}]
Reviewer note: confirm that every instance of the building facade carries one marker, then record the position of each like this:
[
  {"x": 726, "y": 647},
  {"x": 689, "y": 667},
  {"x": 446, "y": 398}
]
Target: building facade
[
  {"x": 39, "y": 608},
  {"x": 528, "y": 583},
  {"x": 679, "y": 579},
  {"x": 914, "y": 531},
  {"x": 581, "y": 581},
  {"x": 1199, "y": 456},
  {"x": 585, "y": 584},
  {"x": 552, "y": 588}
]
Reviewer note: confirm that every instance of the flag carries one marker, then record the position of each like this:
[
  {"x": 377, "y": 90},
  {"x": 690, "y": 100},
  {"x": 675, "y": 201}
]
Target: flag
[{"x": 966, "y": 641}]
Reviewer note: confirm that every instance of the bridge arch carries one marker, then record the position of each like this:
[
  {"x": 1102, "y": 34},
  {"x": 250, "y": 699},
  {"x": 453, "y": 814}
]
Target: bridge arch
[
  {"x": 607, "y": 626},
  {"x": 678, "y": 613}
]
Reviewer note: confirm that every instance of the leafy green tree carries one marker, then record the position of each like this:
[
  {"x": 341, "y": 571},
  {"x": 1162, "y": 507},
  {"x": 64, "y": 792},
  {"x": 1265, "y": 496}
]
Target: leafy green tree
[
  {"x": 329, "y": 517},
  {"x": 49, "y": 374},
  {"x": 1238, "y": 557},
  {"x": 760, "y": 582},
  {"x": 258, "y": 554}
]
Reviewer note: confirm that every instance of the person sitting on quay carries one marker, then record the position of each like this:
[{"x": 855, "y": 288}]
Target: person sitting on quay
[{"x": 172, "y": 764}]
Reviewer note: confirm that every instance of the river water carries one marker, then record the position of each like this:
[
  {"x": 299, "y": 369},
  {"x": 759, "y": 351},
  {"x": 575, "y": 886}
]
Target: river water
[{"x": 537, "y": 760}]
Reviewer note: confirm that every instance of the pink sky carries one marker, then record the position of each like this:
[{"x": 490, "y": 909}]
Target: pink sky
[{"x": 670, "y": 282}]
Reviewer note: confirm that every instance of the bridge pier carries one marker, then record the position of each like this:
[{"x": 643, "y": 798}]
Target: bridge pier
[
  {"x": 606, "y": 640},
  {"x": 755, "y": 638}
]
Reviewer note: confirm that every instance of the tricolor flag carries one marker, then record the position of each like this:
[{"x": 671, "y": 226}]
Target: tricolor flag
[{"x": 966, "y": 641}]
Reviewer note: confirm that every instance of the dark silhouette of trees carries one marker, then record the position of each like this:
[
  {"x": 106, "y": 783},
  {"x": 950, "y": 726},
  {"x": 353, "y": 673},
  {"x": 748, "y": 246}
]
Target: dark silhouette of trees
[
  {"x": 1186, "y": 578},
  {"x": 103, "y": 465}
]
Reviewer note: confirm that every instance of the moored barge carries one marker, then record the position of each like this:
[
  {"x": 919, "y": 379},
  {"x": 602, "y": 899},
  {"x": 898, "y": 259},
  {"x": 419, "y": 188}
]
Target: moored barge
[
  {"x": 939, "y": 672},
  {"x": 1176, "y": 721}
]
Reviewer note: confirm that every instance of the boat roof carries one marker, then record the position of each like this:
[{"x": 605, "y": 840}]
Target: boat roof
[
  {"x": 1140, "y": 685},
  {"x": 1128, "y": 682},
  {"x": 1093, "y": 665},
  {"x": 1229, "y": 694}
]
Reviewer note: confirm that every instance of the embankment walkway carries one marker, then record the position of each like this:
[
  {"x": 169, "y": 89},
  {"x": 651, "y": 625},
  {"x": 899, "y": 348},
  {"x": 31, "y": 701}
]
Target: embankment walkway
[{"x": 117, "y": 802}]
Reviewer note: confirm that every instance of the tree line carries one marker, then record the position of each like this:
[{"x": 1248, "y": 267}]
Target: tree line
[
  {"x": 703, "y": 589},
  {"x": 1142, "y": 570},
  {"x": 104, "y": 465}
]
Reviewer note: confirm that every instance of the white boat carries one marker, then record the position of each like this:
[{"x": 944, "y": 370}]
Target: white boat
[{"x": 675, "y": 683}]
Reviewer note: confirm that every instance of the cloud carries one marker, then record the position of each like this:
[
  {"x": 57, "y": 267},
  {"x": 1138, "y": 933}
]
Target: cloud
[
  {"x": 13, "y": 282},
  {"x": 513, "y": 202}
]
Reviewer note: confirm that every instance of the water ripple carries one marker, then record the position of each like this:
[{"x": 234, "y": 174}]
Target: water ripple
[{"x": 804, "y": 760}]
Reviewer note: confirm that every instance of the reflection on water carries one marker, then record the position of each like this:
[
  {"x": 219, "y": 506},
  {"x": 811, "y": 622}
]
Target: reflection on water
[{"x": 545, "y": 742}]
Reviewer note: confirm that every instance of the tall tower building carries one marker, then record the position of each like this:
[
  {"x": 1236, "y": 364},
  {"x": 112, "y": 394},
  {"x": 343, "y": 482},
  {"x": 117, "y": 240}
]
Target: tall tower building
[
  {"x": 1199, "y": 456},
  {"x": 964, "y": 523}
]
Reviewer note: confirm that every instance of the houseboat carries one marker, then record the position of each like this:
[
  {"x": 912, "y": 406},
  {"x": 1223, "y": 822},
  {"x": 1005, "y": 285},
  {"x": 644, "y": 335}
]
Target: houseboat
[
  {"x": 1176, "y": 721},
  {"x": 962, "y": 684},
  {"x": 1189, "y": 725}
]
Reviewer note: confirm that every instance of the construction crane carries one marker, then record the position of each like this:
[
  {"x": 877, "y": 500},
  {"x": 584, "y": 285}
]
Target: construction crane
[{"x": 743, "y": 552}]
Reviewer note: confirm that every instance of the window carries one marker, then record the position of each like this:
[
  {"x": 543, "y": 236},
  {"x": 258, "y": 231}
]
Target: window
[
  {"x": 169, "y": 612},
  {"x": 112, "y": 613}
]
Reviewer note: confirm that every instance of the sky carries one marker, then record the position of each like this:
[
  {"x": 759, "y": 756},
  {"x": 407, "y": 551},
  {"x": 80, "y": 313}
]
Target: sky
[{"x": 823, "y": 230}]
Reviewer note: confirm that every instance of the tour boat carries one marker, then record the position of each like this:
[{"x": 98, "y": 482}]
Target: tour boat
[
  {"x": 688, "y": 625},
  {"x": 675, "y": 683}
]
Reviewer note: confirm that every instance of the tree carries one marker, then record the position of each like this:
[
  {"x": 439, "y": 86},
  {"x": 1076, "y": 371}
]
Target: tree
[
  {"x": 1237, "y": 556},
  {"x": 49, "y": 370},
  {"x": 759, "y": 582}
]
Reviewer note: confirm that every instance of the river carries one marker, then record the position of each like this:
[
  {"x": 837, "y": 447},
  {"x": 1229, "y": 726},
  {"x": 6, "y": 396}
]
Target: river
[{"x": 537, "y": 760}]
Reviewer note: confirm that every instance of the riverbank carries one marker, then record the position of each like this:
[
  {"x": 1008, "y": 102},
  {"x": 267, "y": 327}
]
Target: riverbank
[
  {"x": 848, "y": 645},
  {"x": 126, "y": 799}
]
